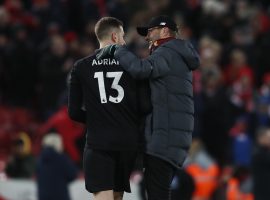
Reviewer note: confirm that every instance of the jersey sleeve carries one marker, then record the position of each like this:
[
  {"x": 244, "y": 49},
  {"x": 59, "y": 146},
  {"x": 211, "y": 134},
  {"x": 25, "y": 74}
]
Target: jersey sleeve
[
  {"x": 152, "y": 67},
  {"x": 75, "y": 98}
]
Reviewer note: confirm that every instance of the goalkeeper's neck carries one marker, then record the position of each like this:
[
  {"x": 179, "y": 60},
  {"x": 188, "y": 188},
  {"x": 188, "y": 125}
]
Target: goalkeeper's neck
[{"x": 105, "y": 43}]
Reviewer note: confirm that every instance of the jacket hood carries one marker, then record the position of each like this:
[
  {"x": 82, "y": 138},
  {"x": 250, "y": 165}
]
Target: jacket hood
[{"x": 186, "y": 51}]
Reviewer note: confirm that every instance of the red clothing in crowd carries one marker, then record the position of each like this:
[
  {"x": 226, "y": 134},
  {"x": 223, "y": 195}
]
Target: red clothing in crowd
[
  {"x": 68, "y": 129},
  {"x": 233, "y": 74}
]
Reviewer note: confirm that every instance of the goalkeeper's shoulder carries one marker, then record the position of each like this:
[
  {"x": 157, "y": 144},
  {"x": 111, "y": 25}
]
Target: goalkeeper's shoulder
[
  {"x": 86, "y": 59},
  {"x": 106, "y": 51}
]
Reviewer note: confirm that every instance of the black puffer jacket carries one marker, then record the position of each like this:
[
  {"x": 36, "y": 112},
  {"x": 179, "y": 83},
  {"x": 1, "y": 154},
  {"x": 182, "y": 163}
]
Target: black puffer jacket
[{"x": 169, "y": 70}]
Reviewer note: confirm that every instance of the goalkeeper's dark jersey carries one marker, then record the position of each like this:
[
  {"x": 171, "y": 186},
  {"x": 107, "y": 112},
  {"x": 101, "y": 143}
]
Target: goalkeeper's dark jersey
[{"x": 105, "y": 97}]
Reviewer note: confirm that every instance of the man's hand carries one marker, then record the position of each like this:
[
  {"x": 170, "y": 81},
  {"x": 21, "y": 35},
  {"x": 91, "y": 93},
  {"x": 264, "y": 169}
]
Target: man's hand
[{"x": 107, "y": 51}]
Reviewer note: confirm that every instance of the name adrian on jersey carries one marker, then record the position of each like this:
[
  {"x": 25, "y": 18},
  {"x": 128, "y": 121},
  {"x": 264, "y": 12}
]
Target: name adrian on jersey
[{"x": 106, "y": 61}]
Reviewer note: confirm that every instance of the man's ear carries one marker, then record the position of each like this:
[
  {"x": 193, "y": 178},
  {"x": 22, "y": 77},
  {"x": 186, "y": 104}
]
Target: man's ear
[{"x": 114, "y": 37}]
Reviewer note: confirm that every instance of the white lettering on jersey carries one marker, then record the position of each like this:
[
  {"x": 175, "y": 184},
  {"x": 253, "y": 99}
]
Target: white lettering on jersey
[{"x": 106, "y": 61}]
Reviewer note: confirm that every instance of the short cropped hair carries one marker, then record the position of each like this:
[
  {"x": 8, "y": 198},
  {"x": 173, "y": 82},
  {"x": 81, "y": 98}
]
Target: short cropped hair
[{"x": 104, "y": 25}]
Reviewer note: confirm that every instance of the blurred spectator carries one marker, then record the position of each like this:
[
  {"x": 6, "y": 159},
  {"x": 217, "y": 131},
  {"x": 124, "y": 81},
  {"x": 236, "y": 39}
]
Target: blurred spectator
[
  {"x": 18, "y": 14},
  {"x": 70, "y": 132},
  {"x": 241, "y": 142},
  {"x": 234, "y": 184},
  {"x": 4, "y": 21},
  {"x": 241, "y": 95},
  {"x": 237, "y": 68},
  {"x": 214, "y": 119},
  {"x": 91, "y": 11},
  {"x": 239, "y": 186},
  {"x": 224, "y": 176},
  {"x": 263, "y": 102},
  {"x": 210, "y": 51},
  {"x": 41, "y": 9},
  {"x": 53, "y": 69},
  {"x": 73, "y": 45},
  {"x": 13, "y": 121},
  {"x": 203, "y": 169},
  {"x": 4, "y": 44},
  {"x": 3, "y": 81},
  {"x": 261, "y": 165},
  {"x": 262, "y": 57},
  {"x": 120, "y": 10},
  {"x": 21, "y": 163},
  {"x": 20, "y": 69},
  {"x": 54, "y": 170},
  {"x": 86, "y": 48},
  {"x": 239, "y": 79}
]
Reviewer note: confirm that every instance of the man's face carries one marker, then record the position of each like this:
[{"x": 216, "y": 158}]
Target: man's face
[
  {"x": 153, "y": 35},
  {"x": 120, "y": 36}
]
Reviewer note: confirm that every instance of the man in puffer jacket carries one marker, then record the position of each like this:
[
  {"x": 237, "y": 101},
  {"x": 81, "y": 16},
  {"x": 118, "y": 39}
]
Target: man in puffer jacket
[{"x": 169, "y": 127}]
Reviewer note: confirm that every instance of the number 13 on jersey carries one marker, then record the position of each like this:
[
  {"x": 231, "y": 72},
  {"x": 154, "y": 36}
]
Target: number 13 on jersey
[{"x": 101, "y": 86}]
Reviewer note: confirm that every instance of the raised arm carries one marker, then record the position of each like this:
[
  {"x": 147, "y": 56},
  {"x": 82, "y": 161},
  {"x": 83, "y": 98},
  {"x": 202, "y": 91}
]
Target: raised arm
[{"x": 152, "y": 67}]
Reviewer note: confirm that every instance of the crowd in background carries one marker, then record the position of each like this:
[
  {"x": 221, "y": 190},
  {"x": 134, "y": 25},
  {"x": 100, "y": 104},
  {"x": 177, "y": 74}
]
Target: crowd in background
[{"x": 41, "y": 39}]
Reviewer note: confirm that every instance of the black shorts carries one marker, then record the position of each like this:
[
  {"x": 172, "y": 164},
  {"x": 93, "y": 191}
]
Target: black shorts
[{"x": 108, "y": 170}]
